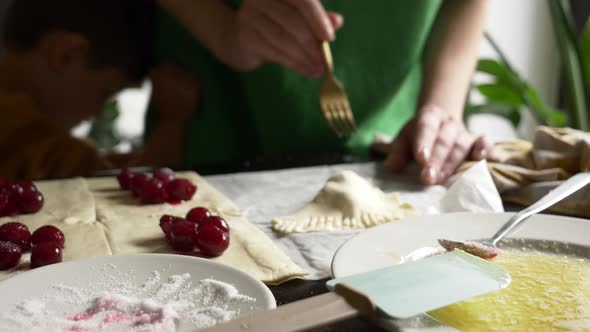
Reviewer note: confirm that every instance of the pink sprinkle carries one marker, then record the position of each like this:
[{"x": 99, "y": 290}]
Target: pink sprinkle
[
  {"x": 81, "y": 316},
  {"x": 139, "y": 318},
  {"x": 117, "y": 317},
  {"x": 144, "y": 319}
]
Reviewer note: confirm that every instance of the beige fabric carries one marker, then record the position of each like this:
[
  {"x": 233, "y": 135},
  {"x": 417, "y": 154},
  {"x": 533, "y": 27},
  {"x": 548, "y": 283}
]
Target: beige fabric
[
  {"x": 347, "y": 201},
  {"x": 524, "y": 171},
  {"x": 98, "y": 218}
]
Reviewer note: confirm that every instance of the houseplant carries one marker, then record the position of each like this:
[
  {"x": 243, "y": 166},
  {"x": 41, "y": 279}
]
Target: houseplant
[{"x": 508, "y": 94}]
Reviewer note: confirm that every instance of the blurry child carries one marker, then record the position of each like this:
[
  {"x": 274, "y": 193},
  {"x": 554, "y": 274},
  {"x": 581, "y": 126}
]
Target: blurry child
[{"x": 62, "y": 60}]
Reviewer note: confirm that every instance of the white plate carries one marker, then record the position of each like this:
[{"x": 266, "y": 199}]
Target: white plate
[
  {"x": 85, "y": 273},
  {"x": 384, "y": 245}
]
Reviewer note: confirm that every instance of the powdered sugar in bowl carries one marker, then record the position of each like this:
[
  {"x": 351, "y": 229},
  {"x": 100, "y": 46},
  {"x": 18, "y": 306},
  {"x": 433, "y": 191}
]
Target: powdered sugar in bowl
[{"x": 142, "y": 292}]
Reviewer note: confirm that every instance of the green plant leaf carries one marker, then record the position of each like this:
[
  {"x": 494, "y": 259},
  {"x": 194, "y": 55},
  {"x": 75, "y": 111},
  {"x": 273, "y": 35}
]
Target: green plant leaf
[
  {"x": 584, "y": 49},
  {"x": 103, "y": 127},
  {"x": 501, "y": 72},
  {"x": 511, "y": 92},
  {"x": 533, "y": 97},
  {"x": 555, "y": 117},
  {"x": 505, "y": 111},
  {"x": 576, "y": 94},
  {"x": 501, "y": 93},
  {"x": 551, "y": 116},
  {"x": 567, "y": 19}
]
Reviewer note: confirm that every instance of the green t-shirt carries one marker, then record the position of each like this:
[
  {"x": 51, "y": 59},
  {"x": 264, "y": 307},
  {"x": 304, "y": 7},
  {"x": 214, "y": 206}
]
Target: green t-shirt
[{"x": 272, "y": 111}]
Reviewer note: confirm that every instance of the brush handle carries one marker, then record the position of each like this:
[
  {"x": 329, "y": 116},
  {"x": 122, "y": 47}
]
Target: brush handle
[
  {"x": 562, "y": 191},
  {"x": 344, "y": 303}
]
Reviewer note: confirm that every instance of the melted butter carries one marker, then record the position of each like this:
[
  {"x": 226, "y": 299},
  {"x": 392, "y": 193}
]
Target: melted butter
[{"x": 548, "y": 292}]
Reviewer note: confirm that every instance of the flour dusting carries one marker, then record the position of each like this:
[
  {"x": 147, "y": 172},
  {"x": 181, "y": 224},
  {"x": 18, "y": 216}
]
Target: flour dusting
[{"x": 120, "y": 303}]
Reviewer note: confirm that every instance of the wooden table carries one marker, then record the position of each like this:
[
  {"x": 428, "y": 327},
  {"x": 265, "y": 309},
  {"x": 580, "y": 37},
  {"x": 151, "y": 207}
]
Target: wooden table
[{"x": 295, "y": 290}]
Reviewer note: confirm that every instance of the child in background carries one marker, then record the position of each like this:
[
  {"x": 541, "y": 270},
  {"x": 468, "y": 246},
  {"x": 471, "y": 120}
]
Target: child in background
[{"x": 62, "y": 60}]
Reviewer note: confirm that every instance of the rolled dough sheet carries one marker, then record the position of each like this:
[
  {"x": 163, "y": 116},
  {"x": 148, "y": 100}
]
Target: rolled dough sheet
[
  {"x": 133, "y": 228},
  {"x": 347, "y": 201},
  {"x": 82, "y": 241},
  {"x": 69, "y": 205},
  {"x": 66, "y": 202}
]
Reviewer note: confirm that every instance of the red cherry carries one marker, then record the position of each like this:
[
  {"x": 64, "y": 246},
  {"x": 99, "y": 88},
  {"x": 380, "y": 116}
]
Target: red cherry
[
  {"x": 125, "y": 177},
  {"x": 166, "y": 223},
  {"x": 165, "y": 174},
  {"x": 16, "y": 233},
  {"x": 198, "y": 214},
  {"x": 137, "y": 182},
  {"x": 16, "y": 189},
  {"x": 4, "y": 195},
  {"x": 219, "y": 222},
  {"x": 10, "y": 255},
  {"x": 11, "y": 208},
  {"x": 44, "y": 254},
  {"x": 183, "y": 236},
  {"x": 28, "y": 186},
  {"x": 15, "y": 192},
  {"x": 4, "y": 200},
  {"x": 211, "y": 240},
  {"x": 153, "y": 192},
  {"x": 48, "y": 233},
  {"x": 181, "y": 189},
  {"x": 31, "y": 202}
]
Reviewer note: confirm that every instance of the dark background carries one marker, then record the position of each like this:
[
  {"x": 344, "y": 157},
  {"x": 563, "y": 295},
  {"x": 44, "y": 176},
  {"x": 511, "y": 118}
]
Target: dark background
[
  {"x": 581, "y": 10},
  {"x": 3, "y": 5}
]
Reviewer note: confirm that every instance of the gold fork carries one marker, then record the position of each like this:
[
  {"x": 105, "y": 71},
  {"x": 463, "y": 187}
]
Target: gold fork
[{"x": 333, "y": 100}]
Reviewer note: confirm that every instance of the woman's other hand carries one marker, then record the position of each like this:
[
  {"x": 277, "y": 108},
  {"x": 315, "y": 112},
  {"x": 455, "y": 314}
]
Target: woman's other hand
[
  {"x": 437, "y": 138},
  {"x": 439, "y": 142}
]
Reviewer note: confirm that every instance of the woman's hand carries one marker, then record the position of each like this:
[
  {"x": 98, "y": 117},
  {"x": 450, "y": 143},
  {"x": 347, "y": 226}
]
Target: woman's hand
[
  {"x": 439, "y": 142},
  {"x": 286, "y": 32}
]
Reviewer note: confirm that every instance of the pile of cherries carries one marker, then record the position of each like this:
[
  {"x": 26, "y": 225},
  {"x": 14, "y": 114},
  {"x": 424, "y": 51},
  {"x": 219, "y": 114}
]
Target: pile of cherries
[
  {"x": 200, "y": 230},
  {"x": 162, "y": 187},
  {"x": 19, "y": 197},
  {"x": 45, "y": 244}
]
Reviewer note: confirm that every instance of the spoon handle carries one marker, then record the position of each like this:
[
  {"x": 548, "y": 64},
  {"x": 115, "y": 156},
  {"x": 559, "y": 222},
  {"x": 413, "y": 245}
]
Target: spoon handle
[{"x": 565, "y": 189}]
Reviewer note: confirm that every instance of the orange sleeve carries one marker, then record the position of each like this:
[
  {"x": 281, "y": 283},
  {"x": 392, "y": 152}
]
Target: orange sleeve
[{"x": 32, "y": 147}]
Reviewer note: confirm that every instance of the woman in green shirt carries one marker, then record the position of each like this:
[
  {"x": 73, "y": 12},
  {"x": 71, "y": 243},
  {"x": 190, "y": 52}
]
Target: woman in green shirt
[{"x": 259, "y": 63}]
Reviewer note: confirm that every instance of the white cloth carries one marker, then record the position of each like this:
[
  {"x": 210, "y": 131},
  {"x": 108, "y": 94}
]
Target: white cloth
[{"x": 265, "y": 195}]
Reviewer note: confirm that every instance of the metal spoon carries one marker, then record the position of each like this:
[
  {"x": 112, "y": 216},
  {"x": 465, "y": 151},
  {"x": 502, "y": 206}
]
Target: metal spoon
[{"x": 487, "y": 249}]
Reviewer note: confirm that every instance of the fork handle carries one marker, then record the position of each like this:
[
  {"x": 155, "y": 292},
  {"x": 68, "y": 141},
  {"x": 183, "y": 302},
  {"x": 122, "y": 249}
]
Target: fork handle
[
  {"x": 327, "y": 55},
  {"x": 562, "y": 191}
]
